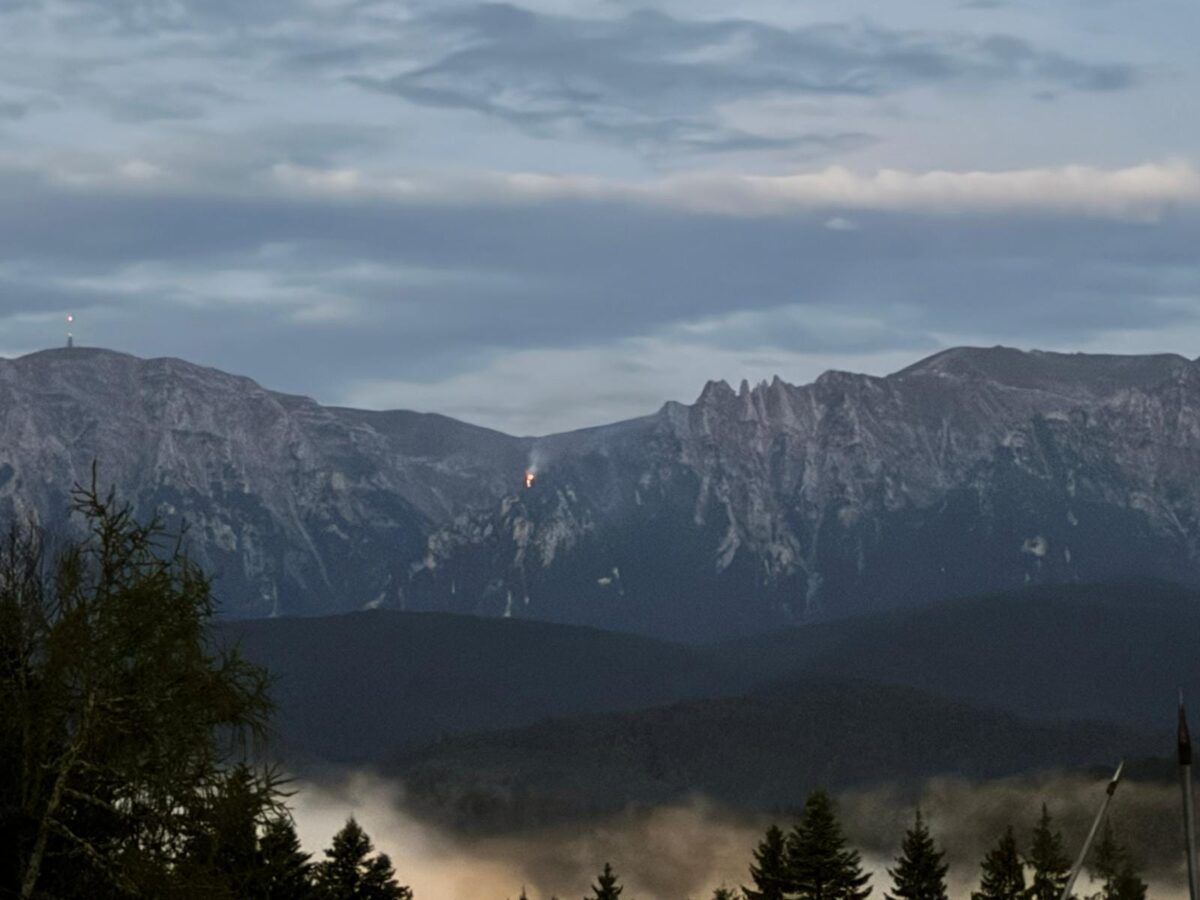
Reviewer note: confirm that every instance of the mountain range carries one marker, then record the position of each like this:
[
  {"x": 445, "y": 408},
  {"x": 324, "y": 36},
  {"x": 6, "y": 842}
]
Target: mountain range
[{"x": 972, "y": 471}]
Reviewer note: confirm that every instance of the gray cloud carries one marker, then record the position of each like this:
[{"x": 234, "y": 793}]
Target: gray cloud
[
  {"x": 133, "y": 18},
  {"x": 647, "y": 81},
  {"x": 148, "y": 147},
  {"x": 316, "y": 296},
  {"x": 653, "y": 78},
  {"x": 12, "y": 109}
]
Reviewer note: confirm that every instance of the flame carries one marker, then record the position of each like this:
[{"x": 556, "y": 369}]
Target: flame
[{"x": 530, "y": 478}]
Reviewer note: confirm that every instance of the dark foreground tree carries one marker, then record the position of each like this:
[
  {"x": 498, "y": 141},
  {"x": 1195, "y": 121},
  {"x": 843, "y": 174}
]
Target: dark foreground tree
[
  {"x": 224, "y": 856},
  {"x": 769, "y": 869},
  {"x": 1113, "y": 868},
  {"x": 607, "y": 886},
  {"x": 1106, "y": 862},
  {"x": 1048, "y": 860},
  {"x": 350, "y": 872},
  {"x": 920, "y": 872},
  {"x": 285, "y": 872},
  {"x": 1002, "y": 875},
  {"x": 120, "y": 715},
  {"x": 725, "y": 893},
  {"x": 1128, "y": 884},
  {"x": 820, "y": 866}
]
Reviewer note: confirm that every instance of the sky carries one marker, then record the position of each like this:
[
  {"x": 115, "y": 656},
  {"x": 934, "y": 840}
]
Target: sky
[{"x": 556, "y": 213}]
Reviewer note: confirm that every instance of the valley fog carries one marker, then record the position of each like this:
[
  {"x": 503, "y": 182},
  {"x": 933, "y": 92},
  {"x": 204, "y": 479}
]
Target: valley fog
[{"x": 688, "y": 850}]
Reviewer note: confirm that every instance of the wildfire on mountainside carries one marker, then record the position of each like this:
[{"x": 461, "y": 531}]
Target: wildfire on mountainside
[{"x": 530, "y": 478}]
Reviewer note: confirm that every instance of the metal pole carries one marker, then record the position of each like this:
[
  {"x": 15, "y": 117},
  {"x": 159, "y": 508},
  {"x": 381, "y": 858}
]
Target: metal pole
[
  {"x": 1091, "y": 837},
  {"x": 1189, "y": 803}
]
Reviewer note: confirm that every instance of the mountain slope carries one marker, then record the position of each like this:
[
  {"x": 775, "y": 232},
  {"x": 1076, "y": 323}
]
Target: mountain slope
[
  {"x": 975, "y": 470},
  {"x": 355, "y": 688},
  {"x": 359, "y": 687},
  {"x": 1115, "y": 652},
  {"x": 296, "y": 507}
]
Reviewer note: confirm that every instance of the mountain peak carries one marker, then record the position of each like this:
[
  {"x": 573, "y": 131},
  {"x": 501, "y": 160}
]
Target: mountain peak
[
  {"x": 716, "y": 392},
  {"x": 72, "y": 354},
  {"x": 1090, "y": 374}
]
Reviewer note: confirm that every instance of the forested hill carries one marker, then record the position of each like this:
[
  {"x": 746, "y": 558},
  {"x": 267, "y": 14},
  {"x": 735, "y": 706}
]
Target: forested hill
[
  {"x": 357, "y": 687},
  {"x": 362, "y": 687},
  {"x": 763, "y": 752},
  {"x": 1114, "y": 652}
]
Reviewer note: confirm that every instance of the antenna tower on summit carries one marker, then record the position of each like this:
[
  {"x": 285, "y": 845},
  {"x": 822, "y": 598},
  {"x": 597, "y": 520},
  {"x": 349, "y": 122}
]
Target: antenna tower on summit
[{"x": 70, "y": 336}]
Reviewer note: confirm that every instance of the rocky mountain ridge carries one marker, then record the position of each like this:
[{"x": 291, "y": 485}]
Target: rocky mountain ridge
[
  {"x": 971, "y": 471},
  {"x": 297, "y": 507},
  {"x": 974, "y": 470}
]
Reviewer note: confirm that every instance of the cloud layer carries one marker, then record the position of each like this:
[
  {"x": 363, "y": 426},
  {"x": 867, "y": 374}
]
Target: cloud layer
[
  {"x": 653, "y": 80},
  {"x": 543, "y": 215}
]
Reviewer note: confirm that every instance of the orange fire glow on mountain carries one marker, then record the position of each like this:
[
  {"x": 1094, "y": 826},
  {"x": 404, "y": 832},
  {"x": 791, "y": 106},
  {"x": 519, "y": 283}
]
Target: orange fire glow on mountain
[{"x": 530, "y": 478}]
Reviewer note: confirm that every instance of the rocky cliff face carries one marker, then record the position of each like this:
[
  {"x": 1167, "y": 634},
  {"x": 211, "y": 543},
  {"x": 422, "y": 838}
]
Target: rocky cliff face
[
  {"x": 296, "y": 507},
  {"x": 973, "y": 470}
]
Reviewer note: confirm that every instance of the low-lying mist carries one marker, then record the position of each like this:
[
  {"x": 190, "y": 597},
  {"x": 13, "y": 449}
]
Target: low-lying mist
[{"x": 688, "y": 849}]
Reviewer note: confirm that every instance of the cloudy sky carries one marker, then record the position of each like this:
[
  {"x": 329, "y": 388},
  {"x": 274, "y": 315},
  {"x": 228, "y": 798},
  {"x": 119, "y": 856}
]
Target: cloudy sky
[{"x": 560, "y": 212}]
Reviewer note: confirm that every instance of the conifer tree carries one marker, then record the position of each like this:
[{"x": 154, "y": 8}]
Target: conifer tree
[
  {"x": 349, "y": 872},
  {"x": 769, "y": 869},
  {"x": 608, "y": 886},
  {"x": 725, "y": 893},
  {"x": 819, "y": 865},
  {"x": 1002, "y": 874},
  {"x": 223, "y": 859},
  {"x": 286, "y": 870},
  {"x": 1113, "y": 868},
  {"x": 920, "y": 872},
  {"x": 1128, "y": 884},
  {"x": 1106, "y": 861},
  {"x": 1048, "y": 860}
]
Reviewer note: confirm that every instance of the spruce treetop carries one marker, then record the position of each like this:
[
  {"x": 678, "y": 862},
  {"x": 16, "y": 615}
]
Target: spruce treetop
[
  {"x": 1048, "y": 860},
  {"x": 348, "y": 870},
  {"x": 769, "y": 871},
  {"x": 920, "y": 872},
  {"x": 1114, "y": 869},
  {"x": 607, "y": 886},
  {"x": 1002, "y": 875},
  {"x": 820, "y": 865}
]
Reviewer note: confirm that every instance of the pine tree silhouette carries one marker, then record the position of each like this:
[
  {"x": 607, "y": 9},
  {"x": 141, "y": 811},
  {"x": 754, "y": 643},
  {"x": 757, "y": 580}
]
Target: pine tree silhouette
[
  {"x": 1002, "y": 875},
  {"x": 1048, "y": 860},
  {"x": 819, "y": 865},
  {"x": 1113, "y": 868},
  {"x": 349, "y": 872},
  {"x": 607, "y": 886},
  {"x": 286, "y": 871},
  {"x": 769, "y": 869},
  {"x": 920, "y": 872}
]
